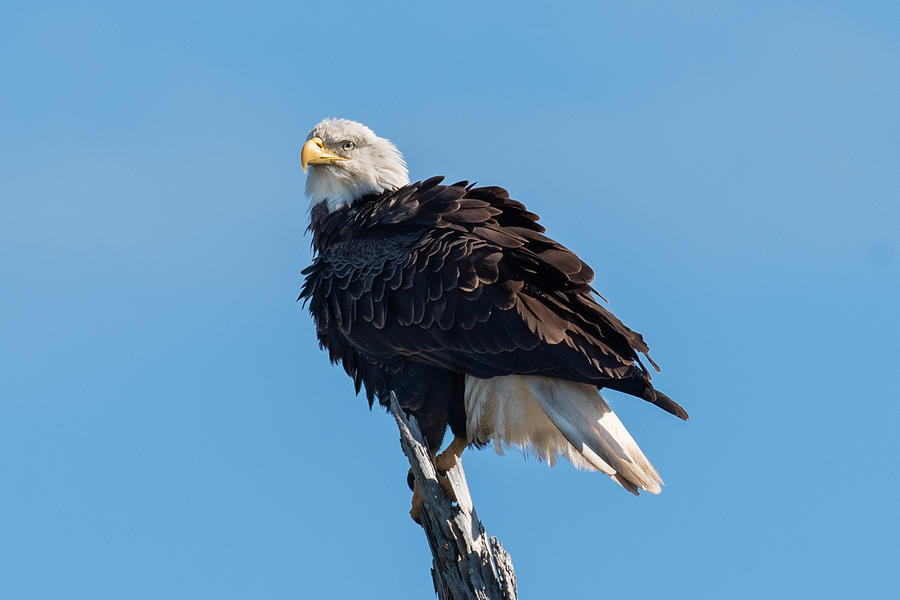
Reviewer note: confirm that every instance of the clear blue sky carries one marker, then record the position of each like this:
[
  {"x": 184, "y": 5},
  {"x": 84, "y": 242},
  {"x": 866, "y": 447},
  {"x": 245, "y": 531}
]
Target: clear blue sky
[{"x": 169, "y": 429}]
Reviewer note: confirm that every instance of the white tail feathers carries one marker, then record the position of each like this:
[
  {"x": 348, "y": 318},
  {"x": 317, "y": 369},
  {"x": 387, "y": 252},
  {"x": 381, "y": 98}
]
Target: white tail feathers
[{"x": 555, "y": 418}]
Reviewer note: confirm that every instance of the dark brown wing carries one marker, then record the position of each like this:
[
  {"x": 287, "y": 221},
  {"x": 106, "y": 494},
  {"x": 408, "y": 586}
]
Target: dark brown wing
[{"x": 464, "y": 279}]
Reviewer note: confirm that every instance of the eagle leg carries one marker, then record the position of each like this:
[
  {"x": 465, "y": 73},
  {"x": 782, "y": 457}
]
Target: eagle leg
[
  {"x": 415, "y": 511},
  {"x": 447, "y": 459},
  {"x": 443, "y": 462}
]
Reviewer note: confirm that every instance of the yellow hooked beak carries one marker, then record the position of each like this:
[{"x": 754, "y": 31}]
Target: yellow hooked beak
[{"x": 314, "y": 153}]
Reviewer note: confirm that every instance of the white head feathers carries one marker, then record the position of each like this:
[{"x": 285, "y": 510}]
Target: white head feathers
[{"x": 347, "y": 161}]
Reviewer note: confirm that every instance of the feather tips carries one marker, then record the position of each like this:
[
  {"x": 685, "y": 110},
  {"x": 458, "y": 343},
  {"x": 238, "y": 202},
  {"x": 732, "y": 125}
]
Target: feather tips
[{"x": 553, "y": 419}]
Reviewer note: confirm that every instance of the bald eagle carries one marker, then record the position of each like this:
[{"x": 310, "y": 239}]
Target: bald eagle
[{"x": 453, "y": 298}]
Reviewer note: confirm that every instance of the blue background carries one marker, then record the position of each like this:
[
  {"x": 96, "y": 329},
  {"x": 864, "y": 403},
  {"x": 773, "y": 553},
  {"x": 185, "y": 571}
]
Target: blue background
[{"x": 169, "y": 429}]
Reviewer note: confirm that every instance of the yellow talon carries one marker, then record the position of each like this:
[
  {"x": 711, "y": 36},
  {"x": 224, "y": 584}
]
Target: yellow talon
[
  {"x": 447, "y": 459},
  {"x": 443, "y": 462}
]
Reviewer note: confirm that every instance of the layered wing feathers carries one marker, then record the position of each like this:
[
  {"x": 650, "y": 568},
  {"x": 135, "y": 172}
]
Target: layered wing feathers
[{"x": 463, "y": 278}]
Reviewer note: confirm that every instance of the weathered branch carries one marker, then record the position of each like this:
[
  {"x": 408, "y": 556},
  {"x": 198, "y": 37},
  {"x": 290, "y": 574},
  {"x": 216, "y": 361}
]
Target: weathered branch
[{"x": 467, "y": 564}]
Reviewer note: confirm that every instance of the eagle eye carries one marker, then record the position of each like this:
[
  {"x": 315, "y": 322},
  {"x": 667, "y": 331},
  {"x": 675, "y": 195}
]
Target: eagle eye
[{"x": 347, "y": 146}]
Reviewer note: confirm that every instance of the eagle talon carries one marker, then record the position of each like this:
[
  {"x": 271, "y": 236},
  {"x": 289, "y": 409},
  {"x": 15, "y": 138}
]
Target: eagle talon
[
  {"x": 447, "y": 459},
  {"x": 415, "y": 511},
  {"x": 443, "y": 462},
  {"x": 447, "y": 486}
]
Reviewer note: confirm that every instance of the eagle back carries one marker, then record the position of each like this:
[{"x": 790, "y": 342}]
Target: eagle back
[{"x": 411, "y": 273}]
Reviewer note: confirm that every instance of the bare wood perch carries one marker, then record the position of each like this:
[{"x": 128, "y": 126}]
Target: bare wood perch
[{"x": 467, "y": 564}]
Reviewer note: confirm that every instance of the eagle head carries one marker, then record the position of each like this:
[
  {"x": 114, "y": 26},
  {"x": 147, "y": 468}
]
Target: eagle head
[{"x": 347, "y": 161}]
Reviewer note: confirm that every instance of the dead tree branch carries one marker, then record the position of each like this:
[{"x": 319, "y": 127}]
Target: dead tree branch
[{"x": 467, "y": 564}]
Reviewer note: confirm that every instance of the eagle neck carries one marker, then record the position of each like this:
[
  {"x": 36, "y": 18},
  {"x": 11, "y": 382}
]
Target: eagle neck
[{"x": 328, "y": 225}]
